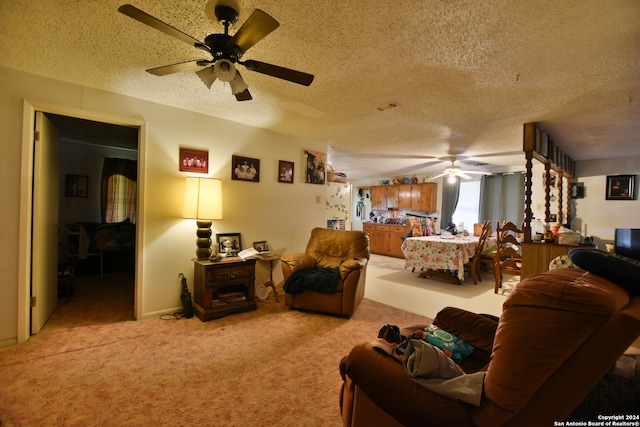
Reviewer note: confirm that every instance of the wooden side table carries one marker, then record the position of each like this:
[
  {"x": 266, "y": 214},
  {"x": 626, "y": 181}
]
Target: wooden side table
[
  {"x": 223, "y": 287},
  {"x": 270, "y": 283}
]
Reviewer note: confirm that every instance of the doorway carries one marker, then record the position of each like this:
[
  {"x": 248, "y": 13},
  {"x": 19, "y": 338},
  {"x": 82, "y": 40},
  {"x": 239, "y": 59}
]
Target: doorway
[
  {"x": 101, "y": 289},
  {"x": 27, "y": 217}
]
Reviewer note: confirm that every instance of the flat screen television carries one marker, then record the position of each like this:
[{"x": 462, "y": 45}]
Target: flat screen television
[{"x": 627, "y": 242}]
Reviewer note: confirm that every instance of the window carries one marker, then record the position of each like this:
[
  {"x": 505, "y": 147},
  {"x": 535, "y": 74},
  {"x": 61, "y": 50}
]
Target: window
[
  {"x": 119, "y": 190},
  {"x": 121, "y": 199},
  {"x": 468, "y": 205}
]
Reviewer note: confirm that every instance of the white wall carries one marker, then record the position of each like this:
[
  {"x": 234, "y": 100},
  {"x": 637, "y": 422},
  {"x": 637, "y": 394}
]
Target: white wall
[
  {"x": 600, "y": 216},
  {"x": 282, "y": 214}
]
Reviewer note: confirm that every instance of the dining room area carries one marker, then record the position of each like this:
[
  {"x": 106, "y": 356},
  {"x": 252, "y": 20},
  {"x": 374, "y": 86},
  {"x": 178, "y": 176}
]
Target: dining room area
[{"x": 448, "y": 256}]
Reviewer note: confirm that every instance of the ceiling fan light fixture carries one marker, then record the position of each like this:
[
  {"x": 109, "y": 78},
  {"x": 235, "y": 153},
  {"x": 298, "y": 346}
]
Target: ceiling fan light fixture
[
  {"x": 452, "y": 178},
  {"x": 238, "y": 85},
  {"x": 225, "y": 70},
  {"x": 207, "y": 75}
]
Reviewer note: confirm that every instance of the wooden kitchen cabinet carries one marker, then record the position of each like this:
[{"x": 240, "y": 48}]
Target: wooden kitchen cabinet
[
  {"x": 537, "y": 256},
  {"x": 415, "y": 197},
  {"x": 404, "y": 196},
  {"x": 386, "y": 239},
  {"x": 379, "y": 197},
  {"x": 396, "y": 237},
  {"x": 380, "y": 240},
  {"x": 424, "y": 197}
]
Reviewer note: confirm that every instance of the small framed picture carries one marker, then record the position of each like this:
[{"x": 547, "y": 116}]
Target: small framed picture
[
  {"x": 76, "y": 186},
  {"x": 285, "y": 172},
  {"x": 621, "y": 187},
  {"x": 261, "y": 246},
  {"x": 229, "y": 243},
  {"x": 194, "y": 160},
  {"x": 245, "y": 169}
]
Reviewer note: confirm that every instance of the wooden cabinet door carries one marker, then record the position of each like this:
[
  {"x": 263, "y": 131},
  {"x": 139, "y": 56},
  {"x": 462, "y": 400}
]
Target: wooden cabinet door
[
  {"x": 416, "y": 198},
  {"x": 379, "y": 197},
  {"x": 424, "y": 197},
  {"x": 392, "y": 196},
  {"x": 405, "y": 197},
  {"x": 396, "y": 236},
  {"x": 382, "y": 240}
]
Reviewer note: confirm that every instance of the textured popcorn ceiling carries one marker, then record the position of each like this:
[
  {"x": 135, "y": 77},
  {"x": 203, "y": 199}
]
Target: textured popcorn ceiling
[{"x": 465, "y": 75}]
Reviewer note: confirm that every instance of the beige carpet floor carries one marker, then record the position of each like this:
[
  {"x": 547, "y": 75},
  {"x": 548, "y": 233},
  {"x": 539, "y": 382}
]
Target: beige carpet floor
[{"x": 92, "y": 365}]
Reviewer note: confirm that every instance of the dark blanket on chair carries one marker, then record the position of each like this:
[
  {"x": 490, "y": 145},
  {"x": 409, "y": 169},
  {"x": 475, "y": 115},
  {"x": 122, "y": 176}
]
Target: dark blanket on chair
[{"x": 315, "y": 279}]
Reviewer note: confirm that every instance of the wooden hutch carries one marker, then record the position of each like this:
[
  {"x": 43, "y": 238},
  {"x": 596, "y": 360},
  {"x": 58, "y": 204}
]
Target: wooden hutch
[{"x": 539, "y": 146}]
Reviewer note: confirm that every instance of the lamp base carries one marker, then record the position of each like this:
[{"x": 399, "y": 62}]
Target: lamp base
[{"x": 203, "y": 242}]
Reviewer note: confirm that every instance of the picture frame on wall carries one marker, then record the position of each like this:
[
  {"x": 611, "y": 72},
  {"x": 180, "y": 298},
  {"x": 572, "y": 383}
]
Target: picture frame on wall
[
  {"x": 76, "y": 186},
  {"x": 245, "y": 169},
  {"x": 315, "y": 167},
  {"x": 285, "y": 171},
  {"x": 232, "y": 241},
  {"x": 621, "y": 187},
  {"x": 192, "y": 160}
]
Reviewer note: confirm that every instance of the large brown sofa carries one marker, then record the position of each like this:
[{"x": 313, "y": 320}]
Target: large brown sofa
[
  {"x": 558, "y": 335},
  {"x": 346, "y": 250}
]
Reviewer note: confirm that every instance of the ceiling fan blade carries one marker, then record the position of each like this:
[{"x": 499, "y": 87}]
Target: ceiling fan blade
[
  {"x": 463, "y": 175},
  {"x": 244, "y": 95},
  {"x": 174, "y": 68},
  {"x": 207, "y": 75},
  {"x": 254, "y": 29},
  {"x": 153, "y": 22},
  {"x": 478, "y": 173},
  {"x": 438, "y": 176},
  {"x": 279, "y": 72}
]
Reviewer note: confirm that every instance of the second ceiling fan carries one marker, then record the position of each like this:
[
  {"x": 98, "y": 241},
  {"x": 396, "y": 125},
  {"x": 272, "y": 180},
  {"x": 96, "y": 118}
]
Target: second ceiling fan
[
  {"x": 455, "y": 172},
  {"x": 225, "y": 50}
]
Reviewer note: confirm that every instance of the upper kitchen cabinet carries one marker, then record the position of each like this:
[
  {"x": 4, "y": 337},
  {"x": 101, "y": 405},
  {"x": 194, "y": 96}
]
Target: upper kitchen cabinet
[
  {"x": 424, "y": 197},
  {"x": 384, "y": 197},
  {"x": 414, "y": 197}
]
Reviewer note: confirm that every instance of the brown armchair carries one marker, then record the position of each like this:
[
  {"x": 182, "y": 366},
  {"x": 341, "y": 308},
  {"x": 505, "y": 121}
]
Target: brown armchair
[
  {"x": 347, "y": 250},
  {"x": 559, "y": 333}
]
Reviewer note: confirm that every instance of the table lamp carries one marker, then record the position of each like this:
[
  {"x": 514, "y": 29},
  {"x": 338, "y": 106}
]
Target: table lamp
[{"x": 203, "y": 202}]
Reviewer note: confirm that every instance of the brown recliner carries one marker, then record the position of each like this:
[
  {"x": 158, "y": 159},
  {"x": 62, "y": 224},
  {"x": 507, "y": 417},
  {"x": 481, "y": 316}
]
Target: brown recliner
[
  {"x": 347, "y": 250},
  {"x": 559, "y": 333}
]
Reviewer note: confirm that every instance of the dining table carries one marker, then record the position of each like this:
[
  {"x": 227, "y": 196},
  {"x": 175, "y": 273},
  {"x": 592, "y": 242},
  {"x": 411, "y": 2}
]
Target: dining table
[{"x": 442, "y": 256}]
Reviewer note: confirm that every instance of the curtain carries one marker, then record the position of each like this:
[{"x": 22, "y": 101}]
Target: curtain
[
  {"x": 118, "y": 190},
  {"x": 502, "y": 198},
  {"x": 450, "y": 194}
]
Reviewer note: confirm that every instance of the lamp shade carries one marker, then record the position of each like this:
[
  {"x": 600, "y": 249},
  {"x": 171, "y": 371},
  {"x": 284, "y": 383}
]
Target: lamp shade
[{"x": 203, "y": 198}]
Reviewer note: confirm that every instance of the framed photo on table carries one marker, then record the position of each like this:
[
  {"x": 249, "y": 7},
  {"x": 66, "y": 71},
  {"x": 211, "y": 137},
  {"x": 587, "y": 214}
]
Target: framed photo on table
[
  {"x": 230, "y": 241},
  {"x": 261, "y": 246},
  {"x": 621, "y": 187}
]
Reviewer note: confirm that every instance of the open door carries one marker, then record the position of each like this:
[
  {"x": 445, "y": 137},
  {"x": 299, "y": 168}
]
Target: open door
[{"x": 44, "y": 240}]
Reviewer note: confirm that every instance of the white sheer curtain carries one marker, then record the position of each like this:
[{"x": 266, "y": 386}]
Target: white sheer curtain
[{"x": 502, "y": 198}]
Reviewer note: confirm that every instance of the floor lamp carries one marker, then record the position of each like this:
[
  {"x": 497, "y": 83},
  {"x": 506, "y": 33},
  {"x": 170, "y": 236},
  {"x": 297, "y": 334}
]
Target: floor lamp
[{"x": 203, "y": 202}]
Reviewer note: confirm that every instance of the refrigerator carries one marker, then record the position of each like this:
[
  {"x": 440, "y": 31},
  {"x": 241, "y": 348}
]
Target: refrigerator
[{"x": 338, "y": 205}]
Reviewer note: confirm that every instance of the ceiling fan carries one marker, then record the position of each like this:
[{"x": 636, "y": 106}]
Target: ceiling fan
[
  {"x": 454, "y": 172},
  {"x": 225, "y": 50}
]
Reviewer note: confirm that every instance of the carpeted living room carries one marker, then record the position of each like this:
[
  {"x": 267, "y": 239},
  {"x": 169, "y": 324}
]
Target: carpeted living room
[{"x": 93, "y": 365}]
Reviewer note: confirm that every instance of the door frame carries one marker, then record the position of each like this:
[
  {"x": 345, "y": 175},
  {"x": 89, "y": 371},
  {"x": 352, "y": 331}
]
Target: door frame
[{"x": 26, "y": 201}]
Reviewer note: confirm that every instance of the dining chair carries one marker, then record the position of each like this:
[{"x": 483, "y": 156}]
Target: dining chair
[
  {"x": 473, "y": 265},
  {"x": 508, "y": 256}
]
